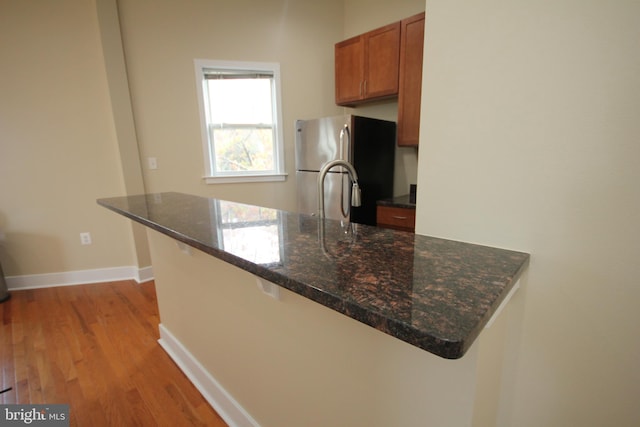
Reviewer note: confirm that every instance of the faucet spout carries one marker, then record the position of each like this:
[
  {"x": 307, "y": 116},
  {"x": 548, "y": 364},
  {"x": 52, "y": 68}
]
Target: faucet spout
[{"x": 356, "y": 198}]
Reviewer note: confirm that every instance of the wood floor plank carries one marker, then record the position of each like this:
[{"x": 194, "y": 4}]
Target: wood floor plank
[{"x": 95, "y": 347}]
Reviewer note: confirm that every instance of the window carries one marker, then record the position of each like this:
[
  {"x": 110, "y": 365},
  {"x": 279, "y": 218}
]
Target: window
[{"x": 241, "y": 121}]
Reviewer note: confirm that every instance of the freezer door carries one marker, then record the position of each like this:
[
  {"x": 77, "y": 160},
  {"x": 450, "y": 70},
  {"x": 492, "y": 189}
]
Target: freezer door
[
  {"x": 320, "y": 141},
  {"x": 308, "y": 193}
]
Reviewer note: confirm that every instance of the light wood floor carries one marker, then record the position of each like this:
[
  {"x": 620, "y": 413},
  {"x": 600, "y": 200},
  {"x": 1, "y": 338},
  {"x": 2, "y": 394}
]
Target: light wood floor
[{"x": 95, "y": 348}]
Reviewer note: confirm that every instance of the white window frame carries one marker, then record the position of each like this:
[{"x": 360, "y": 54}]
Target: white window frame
[{"x": 213, "y": 177}]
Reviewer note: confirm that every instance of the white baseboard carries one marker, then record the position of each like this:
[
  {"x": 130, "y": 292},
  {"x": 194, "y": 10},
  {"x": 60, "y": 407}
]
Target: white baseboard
[
  {"x": 224, "y": 404},
  {"x": 144, "y": 274},
  {"x": 67, "y": 278}
]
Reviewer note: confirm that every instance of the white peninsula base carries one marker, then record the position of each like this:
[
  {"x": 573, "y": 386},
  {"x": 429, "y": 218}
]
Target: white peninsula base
[{"x": 290, "y": 361}]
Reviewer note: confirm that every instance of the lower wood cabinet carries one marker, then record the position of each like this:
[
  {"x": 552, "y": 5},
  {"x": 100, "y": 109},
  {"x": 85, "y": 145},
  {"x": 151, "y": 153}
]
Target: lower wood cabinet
[{"x": 396, "y": 218}]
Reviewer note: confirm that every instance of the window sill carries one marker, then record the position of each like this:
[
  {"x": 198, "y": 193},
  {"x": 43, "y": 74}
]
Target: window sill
[{"x": 244, "y": 178}]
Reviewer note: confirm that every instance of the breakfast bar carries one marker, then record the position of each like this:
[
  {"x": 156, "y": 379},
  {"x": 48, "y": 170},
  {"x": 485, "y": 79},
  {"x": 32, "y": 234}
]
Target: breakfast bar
[{"x": 428, "y": 294}]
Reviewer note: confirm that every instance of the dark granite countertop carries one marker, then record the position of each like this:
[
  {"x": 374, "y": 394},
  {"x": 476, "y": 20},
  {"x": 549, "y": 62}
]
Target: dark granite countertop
[
  {"x": 433, "y": 293},
  {"x": 397, "y": 202}
]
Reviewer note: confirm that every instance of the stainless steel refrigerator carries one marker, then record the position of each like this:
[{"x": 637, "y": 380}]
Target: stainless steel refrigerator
[{"x": 368, "y": 144}]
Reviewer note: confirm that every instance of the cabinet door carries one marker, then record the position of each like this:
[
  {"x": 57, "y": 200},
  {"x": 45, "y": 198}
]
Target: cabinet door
[
  {"x": 409, "y": 96},
  {"x": 349, "y": 69},
  {"x": 382, "y": 57}
]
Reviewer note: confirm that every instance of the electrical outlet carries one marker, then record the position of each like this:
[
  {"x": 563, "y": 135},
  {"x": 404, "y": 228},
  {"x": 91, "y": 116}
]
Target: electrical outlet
[
  {"x": 85, "y": 238},
  {"x": 152, "y": 162}
]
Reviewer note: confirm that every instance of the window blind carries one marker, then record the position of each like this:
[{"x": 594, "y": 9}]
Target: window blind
[{"x": 235, "y": 74}]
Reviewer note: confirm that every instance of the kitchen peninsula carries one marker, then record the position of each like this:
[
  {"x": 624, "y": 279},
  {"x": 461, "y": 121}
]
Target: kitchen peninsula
[{"x": 414, "y": 292}]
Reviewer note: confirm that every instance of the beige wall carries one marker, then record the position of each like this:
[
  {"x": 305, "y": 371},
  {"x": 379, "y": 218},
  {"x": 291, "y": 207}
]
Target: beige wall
[
  {"x": 530, "y": 141},
  {"x": 58, "y": 148},
  {"x": 161, "y": 40},
  {"x": 361, "y": 16},
  {"x": 120, "y": 96}
]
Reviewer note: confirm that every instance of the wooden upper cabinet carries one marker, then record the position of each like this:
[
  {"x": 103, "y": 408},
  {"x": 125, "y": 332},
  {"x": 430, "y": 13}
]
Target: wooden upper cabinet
[
  {"x": 367, "y": 66},
  {"x": 409, "y": 94},
  {"x": 349, "y": 70},
  {"x": 382, "y": 58}
]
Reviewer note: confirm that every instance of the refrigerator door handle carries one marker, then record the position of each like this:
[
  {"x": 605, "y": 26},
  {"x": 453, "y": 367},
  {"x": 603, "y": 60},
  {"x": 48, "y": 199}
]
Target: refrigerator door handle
[{"x": 345, "y": 131}]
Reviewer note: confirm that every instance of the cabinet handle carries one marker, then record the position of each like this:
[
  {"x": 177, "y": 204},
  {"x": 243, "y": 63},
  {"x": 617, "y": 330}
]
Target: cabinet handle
[
  {"x": 399, "y": 217},
  {"x": 361, "y": 83},
  {"x": 365, "y": 86}
]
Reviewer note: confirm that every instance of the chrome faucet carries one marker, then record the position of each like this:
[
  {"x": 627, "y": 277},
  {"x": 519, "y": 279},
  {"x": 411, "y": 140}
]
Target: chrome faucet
[{"x": 356, "y": 199}]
